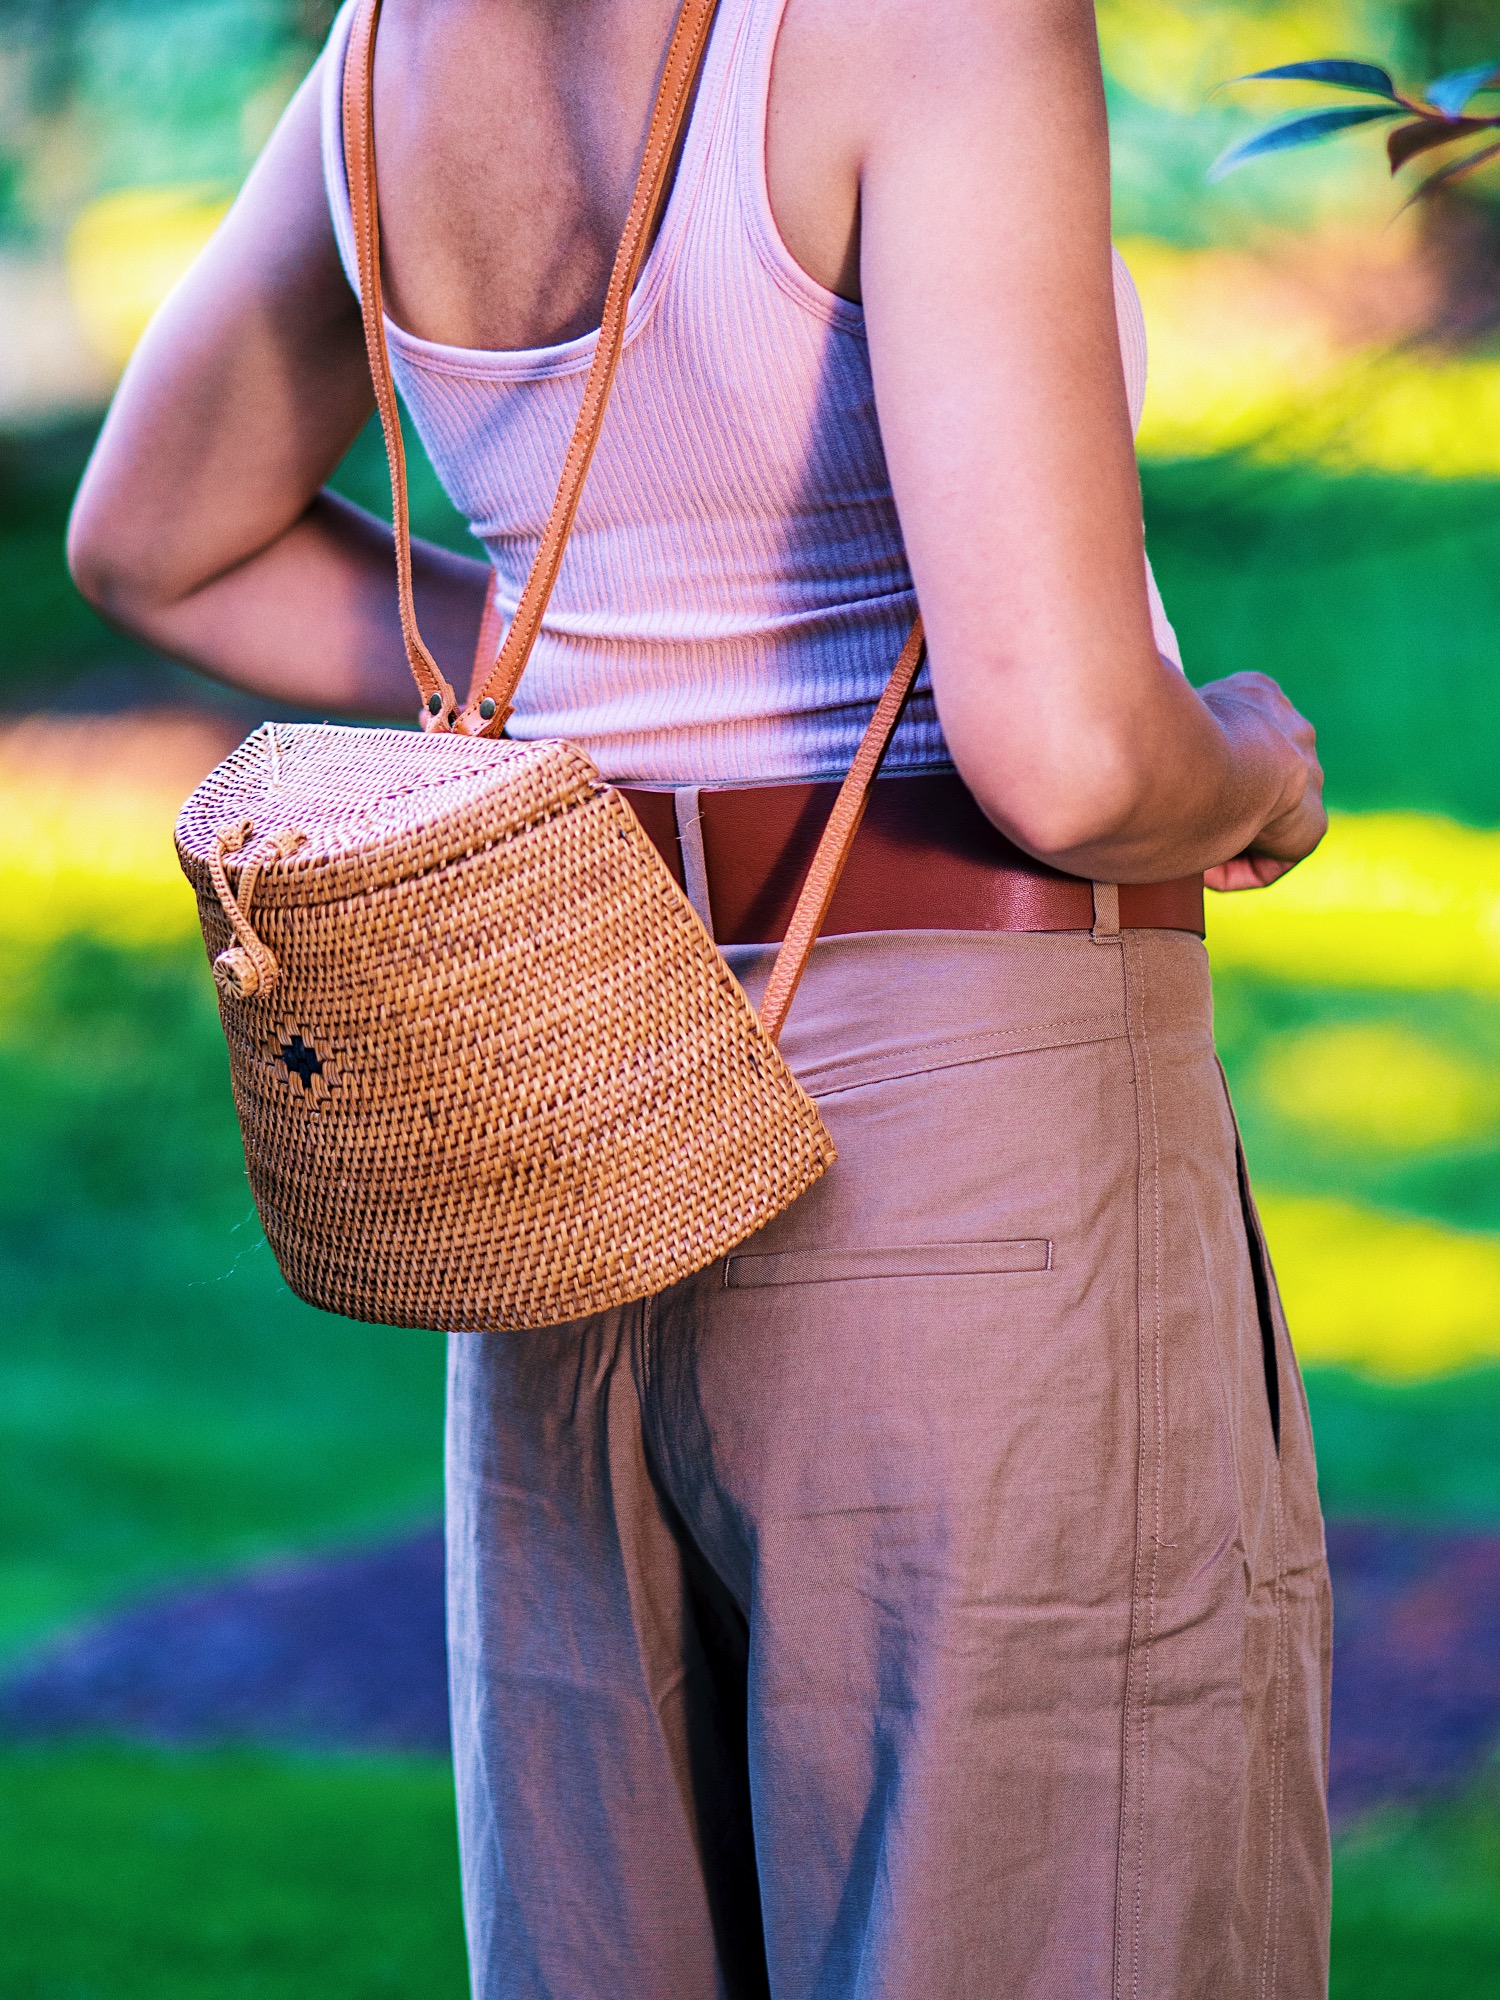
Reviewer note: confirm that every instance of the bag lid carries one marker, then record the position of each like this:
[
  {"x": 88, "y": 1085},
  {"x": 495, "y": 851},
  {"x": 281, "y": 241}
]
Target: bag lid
[{"x": 373, "y": 805}]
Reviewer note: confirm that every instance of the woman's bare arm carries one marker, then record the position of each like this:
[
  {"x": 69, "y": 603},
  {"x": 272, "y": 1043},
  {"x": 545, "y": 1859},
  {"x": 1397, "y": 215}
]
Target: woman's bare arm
[
  {"x": 200, "y": 524},
  {"x": 971, "y": 141}
]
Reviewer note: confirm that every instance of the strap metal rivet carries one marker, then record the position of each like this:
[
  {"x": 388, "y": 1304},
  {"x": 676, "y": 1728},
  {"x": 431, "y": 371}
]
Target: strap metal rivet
[
  {"x": 487, "y": 708},
  {"x": 434, "y": 704}
]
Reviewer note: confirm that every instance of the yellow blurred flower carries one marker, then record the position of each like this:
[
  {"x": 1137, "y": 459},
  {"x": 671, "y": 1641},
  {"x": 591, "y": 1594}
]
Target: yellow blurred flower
[
  {"x": 86, "y": 816},
  {"x": 1266, "y": 353},
  {"x": 125, "y": 253},
  {"x": 1403, "y": 901},
  {"x": 1382, "y": 1293},
  {"x": 1173, "y": 52},
  {"x": 1378, "y": 1084}
]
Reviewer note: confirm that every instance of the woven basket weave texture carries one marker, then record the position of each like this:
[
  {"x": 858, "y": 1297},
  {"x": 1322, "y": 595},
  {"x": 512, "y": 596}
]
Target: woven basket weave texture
[{"x": 501, "y": 1078}]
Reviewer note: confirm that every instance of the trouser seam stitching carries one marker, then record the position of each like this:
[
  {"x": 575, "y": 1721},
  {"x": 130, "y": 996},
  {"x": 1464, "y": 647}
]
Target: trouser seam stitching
[
  {"x": 1156, "y": 1498},
  {"x": 1148, "y": 1511},
  {"x": 1270, "y": 1954}
]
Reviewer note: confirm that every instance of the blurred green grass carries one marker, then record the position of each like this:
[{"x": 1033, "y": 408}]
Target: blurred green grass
[
  {"x": 1415, "y": 1910},
  {"x": 141, "y": 1875},
  {"x": 1456, "y": 1182},
  {"x": 1375, "y": 601}
]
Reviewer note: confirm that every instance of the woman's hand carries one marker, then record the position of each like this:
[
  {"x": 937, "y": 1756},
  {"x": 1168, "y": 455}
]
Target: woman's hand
[{"x": 1299, "y": 823}]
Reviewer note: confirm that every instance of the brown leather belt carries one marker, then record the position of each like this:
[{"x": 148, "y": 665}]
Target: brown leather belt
[{"x": 925, "y": 858}]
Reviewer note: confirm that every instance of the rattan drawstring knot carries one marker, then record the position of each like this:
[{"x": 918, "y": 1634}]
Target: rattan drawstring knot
[{"x": 247, "y": 967}]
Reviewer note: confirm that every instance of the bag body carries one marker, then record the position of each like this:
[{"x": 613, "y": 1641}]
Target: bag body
[
  {"x": 491, "y": 1071},
  {"x": 499, "y": 1076}
]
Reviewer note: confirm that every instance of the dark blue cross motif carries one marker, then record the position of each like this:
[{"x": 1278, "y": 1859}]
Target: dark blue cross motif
[{"x": 302, "y": 1060}]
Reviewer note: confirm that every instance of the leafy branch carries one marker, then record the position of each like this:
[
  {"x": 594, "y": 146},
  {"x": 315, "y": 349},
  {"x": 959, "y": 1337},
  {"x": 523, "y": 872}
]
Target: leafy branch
[{"x": 1440, "y": 117}]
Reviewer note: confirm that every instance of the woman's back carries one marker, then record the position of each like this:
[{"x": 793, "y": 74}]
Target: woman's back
[
  {"x": 736, "y": 585},
  {"x": 735, "y": 588}
]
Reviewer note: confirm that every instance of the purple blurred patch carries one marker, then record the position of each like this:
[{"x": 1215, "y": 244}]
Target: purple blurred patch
[
  {"x": 347, "y": 1652},
  {"x": 1416, "y": 1661}
]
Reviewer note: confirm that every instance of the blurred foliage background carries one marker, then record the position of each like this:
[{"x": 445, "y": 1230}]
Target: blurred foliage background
[{"x": 1321, "y": 469}]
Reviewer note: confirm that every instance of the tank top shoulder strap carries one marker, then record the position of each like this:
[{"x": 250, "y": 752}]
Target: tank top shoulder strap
[
  {"x": 335, "y": 182},
  {"x": 708, "y": 166},
  {"x": 738, "y": 166}
]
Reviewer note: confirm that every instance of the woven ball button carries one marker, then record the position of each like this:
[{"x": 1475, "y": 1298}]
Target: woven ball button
[
  {"x": 487, "y": 709},
  {"x": 236, "y": 974}
]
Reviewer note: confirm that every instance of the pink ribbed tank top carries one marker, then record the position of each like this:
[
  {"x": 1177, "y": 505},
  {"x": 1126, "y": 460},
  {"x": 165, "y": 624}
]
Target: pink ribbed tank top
[{"x": 735, "y": 591}]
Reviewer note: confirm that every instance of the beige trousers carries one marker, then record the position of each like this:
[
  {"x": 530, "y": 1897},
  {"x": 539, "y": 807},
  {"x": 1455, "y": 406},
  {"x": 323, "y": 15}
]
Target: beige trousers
[{"x": 917, "y": 1606}]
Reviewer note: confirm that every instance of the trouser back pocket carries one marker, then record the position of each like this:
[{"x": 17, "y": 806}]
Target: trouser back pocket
[{"x": 918, "y": 1260}]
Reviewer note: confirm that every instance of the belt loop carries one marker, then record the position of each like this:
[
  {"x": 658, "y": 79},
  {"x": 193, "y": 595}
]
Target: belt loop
[
  {"x": 1106, "y": 912},
  {"x": 690, "y": 841}
]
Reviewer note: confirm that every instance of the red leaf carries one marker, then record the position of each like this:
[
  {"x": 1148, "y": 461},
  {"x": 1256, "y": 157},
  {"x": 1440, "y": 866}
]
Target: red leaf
[
  {"x": 1453, "y": 171},
  {"x": 1408, "y": 140}
]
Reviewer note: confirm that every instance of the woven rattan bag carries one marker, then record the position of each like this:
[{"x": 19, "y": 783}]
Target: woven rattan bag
[{"x": 490, "y": 1069}]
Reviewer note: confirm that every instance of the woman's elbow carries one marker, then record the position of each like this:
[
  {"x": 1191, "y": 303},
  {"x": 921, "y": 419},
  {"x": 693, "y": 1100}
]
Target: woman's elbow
[
  {"x": 107, "y": 571},
  {"x": 89, "y": 563},
  {"x": 1088, "y": 799}
]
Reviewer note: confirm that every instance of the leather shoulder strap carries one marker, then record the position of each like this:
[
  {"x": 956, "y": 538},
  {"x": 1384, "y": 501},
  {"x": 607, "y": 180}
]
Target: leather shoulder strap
[
  {"x": 438, "y": 699},
  {"x": 684, "y": 58},
  {"x": 495, "y": 692}
]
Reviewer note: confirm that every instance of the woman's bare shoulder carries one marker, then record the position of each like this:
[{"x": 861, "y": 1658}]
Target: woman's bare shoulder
[
  {"x": 879, "y": 50},
  {"x": 854, "y": 82}
]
